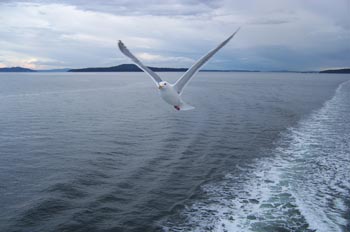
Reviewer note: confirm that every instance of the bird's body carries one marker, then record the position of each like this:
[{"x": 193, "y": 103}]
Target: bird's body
[
  {"x": 171, "y": 93},
  {"x": 171, "y": 96}
]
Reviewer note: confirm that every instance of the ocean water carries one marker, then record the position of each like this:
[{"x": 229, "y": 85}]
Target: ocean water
[{"x": 102, "y": 152}]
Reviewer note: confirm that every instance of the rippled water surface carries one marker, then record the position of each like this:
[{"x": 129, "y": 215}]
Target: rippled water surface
[{"x": 102, "y": 152}]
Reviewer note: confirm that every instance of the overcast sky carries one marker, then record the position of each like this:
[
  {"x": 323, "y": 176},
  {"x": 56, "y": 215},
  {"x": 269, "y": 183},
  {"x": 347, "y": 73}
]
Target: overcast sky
[{"x": 275, "y": 35}]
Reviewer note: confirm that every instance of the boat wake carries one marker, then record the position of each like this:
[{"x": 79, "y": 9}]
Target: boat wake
[{"x": 302, "y": 184}]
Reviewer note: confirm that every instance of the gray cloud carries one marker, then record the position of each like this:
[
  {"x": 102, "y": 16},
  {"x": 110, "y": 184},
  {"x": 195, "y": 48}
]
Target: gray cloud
[
  {"x": 275, "y": 35},
  {"x": 138, "y": 7},
  {"x": 270, "y": 21}
]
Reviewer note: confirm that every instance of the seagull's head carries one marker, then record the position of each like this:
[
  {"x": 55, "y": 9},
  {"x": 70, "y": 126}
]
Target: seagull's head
[{"x": 163, "y": 85}]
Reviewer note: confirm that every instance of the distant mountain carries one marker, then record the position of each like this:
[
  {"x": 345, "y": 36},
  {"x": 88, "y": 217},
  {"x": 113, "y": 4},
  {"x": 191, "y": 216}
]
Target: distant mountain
[
  {"x": 55, "y": 70},
  {"x": 343, "y": 70},
  {"x": 134, "y": 68},
  {"x": 16, "y": 69},
  {"x": 127, "y": 68},
  {"x": 119, "y": 68}
]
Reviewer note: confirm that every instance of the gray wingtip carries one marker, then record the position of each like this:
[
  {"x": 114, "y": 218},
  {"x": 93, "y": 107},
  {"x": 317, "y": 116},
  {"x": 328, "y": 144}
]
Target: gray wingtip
[
  {"x": 237, "y": 30},
  {"x": 121, "y": 46}
]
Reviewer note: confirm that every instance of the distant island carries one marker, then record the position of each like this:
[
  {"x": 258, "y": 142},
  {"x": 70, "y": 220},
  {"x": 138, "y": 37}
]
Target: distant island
[
  {"x": 126, "y": 68},
  {"x": 16, "y": 69},
  {"x": 54, "y": 70},
  {"x": 343, "y": 70},
  {"x": 20, "y": 69},
  {"x": 119, "y": 68},
  {"x": 134, "y": 68}
]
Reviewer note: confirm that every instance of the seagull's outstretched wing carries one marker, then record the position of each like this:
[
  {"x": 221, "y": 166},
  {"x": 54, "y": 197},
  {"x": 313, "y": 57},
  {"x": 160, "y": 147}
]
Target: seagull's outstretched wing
[
  {"x": 127, "y": 53},
  {"x": 182, "y": 82}
]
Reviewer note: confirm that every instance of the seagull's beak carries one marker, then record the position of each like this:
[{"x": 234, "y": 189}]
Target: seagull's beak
[{"x": 159, "y": 87}]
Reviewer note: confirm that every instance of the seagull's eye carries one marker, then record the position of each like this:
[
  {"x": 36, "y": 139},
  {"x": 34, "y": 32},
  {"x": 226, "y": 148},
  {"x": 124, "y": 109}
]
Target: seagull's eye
[{"x": 164, "y": 83}]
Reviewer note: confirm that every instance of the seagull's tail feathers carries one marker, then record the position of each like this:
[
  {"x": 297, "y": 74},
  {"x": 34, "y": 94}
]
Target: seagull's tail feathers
[{"x": 184, "y": 106}]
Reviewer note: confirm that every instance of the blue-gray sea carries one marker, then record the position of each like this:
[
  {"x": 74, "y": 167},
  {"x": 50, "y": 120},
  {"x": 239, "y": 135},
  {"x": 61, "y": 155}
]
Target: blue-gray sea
[{"x": 102, "y": 152}]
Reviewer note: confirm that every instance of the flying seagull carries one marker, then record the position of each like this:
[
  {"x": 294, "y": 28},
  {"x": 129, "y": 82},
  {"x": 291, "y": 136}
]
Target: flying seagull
[{"x": 171, "y": 93}]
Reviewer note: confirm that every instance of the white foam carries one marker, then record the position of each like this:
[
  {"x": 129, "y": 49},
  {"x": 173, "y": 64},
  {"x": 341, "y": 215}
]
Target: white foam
[{"x": 301, "y": 186}]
